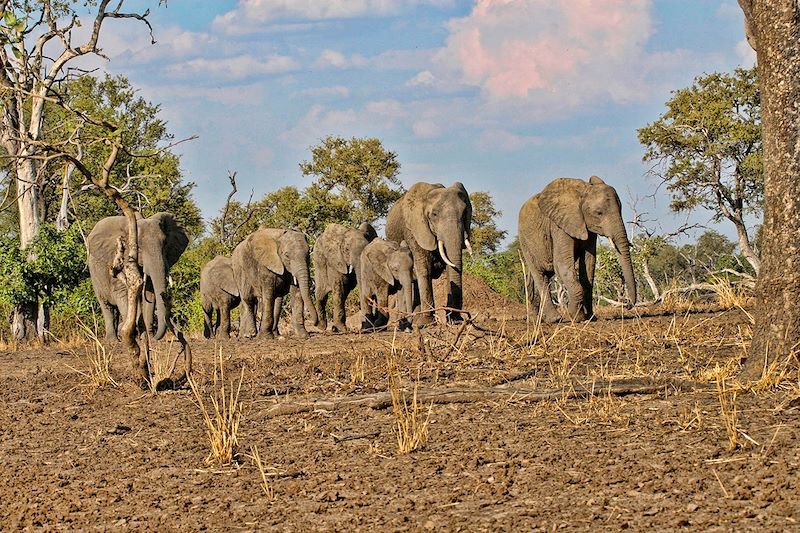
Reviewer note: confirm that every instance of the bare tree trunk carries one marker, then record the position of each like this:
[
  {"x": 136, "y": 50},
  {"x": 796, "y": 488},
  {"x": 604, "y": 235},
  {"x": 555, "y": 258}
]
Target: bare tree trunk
[
  {"x": 774, "y": 26},
  {"x": 25, "y": 317},
  {"x": 648, "y": 277},
  {"x": 747, "y": 248}
]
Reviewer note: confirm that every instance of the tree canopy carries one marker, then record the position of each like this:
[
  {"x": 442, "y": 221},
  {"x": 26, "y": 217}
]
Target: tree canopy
[{"x": 709, "y": 150}]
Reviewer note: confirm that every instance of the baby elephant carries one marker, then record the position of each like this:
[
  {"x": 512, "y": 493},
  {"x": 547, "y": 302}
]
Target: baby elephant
[
  {"x": 386, "y": 268},
  {"x": 218, "y": 292}
]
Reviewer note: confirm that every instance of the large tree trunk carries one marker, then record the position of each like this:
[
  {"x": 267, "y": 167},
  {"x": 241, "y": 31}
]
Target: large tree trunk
[
  {"x": 774, "y": 27},
  {"x": 24, "y": 318}
]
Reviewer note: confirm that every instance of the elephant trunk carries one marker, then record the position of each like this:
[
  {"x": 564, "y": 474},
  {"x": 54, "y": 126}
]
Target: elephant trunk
[
  {"x": 453, "y": 243},
  {"x": 302, "y": 276},
  {"x": 407, "y": 293},
  {"x": 158, "y": 276},
  {"x": 620, "y": 240}
]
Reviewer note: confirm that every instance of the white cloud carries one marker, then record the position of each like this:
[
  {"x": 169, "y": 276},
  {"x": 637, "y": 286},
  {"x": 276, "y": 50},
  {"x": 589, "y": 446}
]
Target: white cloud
[
  {"x": 745, "y": 53},
  {"x": 498, "y": 139},
  {"x": 544, "y": 58},
  {"x": 337, "y": 91},
  {"x": 233, "y": 68},
  {"x": 250, "y": 14},
  {"x": 334, "y": 59}
]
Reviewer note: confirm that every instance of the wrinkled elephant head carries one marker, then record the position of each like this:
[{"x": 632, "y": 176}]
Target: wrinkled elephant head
[
  {"x": 283, "y": 251},
  {"x": 393, "y": 263},
  {"x": 440, "y": 220},
  {"x": 342, "y": 246},
  {"x": 579, "y": 207}
]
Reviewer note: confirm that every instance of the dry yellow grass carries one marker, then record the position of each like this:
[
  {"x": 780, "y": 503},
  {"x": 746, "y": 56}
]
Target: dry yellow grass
[
  {"x": 222, "y": 420},
  {"x": 269, "y": 492},
  {"x": 410, "y": 418}
]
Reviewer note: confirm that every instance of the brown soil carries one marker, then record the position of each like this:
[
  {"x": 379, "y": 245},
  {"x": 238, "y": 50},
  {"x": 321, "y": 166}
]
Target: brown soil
[{"x": 75, "y": 457}]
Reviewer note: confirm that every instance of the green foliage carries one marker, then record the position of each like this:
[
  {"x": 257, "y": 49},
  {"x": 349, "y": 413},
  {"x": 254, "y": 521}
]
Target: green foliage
[
  {"x": 185, "y": 289},
  {"x": 709, "y": 142},
  {"x": 359, "y": 173},
  {"x": 54, "y": 262},
  {"x": 502, "y": 271},
  {"x": 486, "y": 237}
]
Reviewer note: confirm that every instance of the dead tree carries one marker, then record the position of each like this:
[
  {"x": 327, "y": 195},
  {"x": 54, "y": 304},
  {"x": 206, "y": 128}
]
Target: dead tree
[{"x": 36, "y": 49}]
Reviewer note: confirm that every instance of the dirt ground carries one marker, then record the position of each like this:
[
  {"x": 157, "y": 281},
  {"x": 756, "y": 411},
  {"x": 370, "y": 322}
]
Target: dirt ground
[{"x": 77, "y": 457}]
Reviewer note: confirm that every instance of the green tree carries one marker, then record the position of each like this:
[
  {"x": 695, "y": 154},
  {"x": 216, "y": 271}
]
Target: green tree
[
  {"x": 709, "y": 145},
  {"x": 358, "y": 172},
  {"x": 486, "y": 237}
]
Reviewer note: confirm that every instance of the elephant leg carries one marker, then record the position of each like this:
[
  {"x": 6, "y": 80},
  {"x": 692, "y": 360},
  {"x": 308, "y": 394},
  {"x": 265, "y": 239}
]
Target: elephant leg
[
  {"x": 247, "y": 318},
  {"x": 268, "y": 315},
  {"x": 455, "y": 298},
  {"x": 540, "y": 294},
  {"x": 208, "y": 326},
  {"x": 382, "y": 314},
  {"x": 321, "y": 293},
  {"x": 297, "y": 313},
  {"x": 277, "y": 309},
  {"x": 586, "y": 265},
  {"x": 109, "y": 320},
  {"x": 338, "y": 305},
  {"x": 422, "y": 268},
  {"x": 224, "y": 321},
  {"x": 564, "y": 251}
]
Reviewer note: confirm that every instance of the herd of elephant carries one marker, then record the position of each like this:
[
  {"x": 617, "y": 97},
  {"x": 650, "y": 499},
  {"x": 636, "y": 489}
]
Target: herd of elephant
[{"x": 427, "y": 230}]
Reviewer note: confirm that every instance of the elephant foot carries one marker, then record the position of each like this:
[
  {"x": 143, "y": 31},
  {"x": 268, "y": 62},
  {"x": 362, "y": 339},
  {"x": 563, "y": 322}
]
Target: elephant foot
[
  {"x": 339, "y": 328},
  {"x": 454, "y": 317},
  {"x": 404, "y": 324},
  {"x": 301, "y": 333},
  {"x": 266, "y": 335},
  {"x": 321, "y": 325},
  {"x": 422, "y": 320}
]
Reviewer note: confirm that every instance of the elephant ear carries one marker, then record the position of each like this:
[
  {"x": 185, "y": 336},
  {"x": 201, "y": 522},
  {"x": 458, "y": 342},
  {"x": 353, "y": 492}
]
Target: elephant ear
[
  {"x": 265, "y": 252},
  {"x": 379, "y": 261},
  {"x": 560, "y": 201},
  {"x": 368, "y": 231},
  {"x": 227, "y": 282},
  {"x": 595, "y": 180},
  {"x": 464, "y": 195},
  {"x": 175, "y": 237},
  {"x": 417, "y": 199}
]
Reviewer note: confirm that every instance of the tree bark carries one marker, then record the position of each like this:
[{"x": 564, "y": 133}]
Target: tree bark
[{"x": 774, "y": 27}]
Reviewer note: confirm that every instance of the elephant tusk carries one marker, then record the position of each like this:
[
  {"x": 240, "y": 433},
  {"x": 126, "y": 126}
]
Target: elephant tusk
[
  {"x": 349, "y": 269},
  {"x": 444, "y": 255},
  {"x": 294, "y": 280},
  {"x": 469, "y": 247}
]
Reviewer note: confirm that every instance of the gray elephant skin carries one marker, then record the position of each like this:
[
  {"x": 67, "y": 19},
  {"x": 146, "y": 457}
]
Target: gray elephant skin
[
  {"x": 386, "y": 268},
  {"x": 558, "y": 231},
  {"x": 218, "y": 295},
  {"x": 162, "y": 240},
  {"x": 337, "y": 254},
  {"x": 435, "y": 222},
  {"x": 267, "y": 265}
]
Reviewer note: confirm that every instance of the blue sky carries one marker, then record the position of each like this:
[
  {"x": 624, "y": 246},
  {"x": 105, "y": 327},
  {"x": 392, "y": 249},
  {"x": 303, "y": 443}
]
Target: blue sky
[{"x": 502, "y": 95}]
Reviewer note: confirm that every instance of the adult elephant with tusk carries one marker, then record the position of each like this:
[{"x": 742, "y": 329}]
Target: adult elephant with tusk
[
  {"x": 434, "y": 220},
  {"x": 558, "y": 231},
  {"x": 162, "y": 240},
  {"x": 267, "y": 265}
]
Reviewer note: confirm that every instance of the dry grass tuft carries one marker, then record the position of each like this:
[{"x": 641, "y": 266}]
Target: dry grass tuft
[
  {"x": 411, "y": 420},
  {"x": 729, "y": 413},
  {"x": 97, "y": 360},
  {"x": 269, "y": 492},
  {"x": 222, "y": 421},
  {"x": 358, "y": 372}
]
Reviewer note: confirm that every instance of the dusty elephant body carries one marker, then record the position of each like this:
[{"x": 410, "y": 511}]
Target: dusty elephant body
[
  {"x": 218, "y": 294},
  {"x": 267, "y": 265},
  {"x": 434, "y": 221},
  {"x": 162, "y": 240},
  {"x": 386, "y": 268},
  {"x": 337, "y": 254},
  {"x": 558, "y": 231}
]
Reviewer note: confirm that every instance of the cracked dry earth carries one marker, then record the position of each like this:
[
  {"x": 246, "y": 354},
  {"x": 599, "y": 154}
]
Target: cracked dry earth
[{"x": 76, "y": 457}]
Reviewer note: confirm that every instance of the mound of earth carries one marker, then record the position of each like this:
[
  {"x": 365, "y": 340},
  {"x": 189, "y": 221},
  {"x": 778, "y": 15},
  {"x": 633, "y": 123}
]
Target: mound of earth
[{"x": 480, "y": 300}]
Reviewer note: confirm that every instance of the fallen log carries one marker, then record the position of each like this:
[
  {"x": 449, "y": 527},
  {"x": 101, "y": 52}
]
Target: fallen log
[{"x": 383, "y": 400}]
